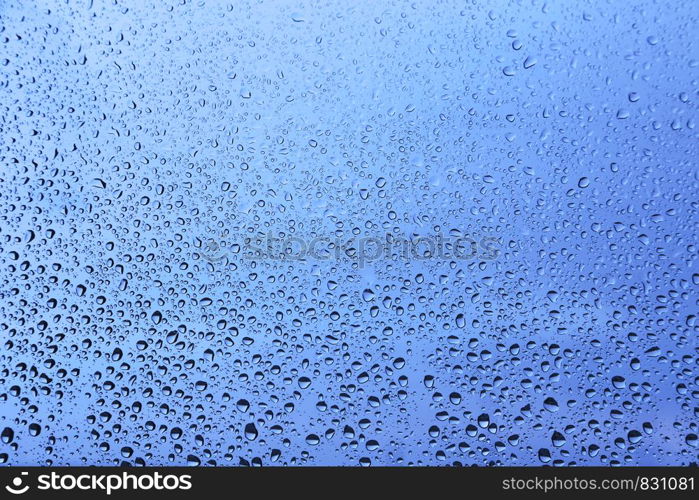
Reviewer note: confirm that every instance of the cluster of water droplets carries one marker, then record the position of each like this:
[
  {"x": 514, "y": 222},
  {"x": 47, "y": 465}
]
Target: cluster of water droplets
[{"x": 144, "y": 145}]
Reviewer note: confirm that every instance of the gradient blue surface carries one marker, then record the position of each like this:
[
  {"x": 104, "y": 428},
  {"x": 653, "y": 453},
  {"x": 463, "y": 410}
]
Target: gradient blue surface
[{"x": 229, "y": 233}]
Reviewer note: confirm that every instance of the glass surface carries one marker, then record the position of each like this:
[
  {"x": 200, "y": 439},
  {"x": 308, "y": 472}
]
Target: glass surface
[{"x": 348, "y": 233}]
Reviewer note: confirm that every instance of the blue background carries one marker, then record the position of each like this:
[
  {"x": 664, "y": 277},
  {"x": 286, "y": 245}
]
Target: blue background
[{"x": 144, "y": 144}]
